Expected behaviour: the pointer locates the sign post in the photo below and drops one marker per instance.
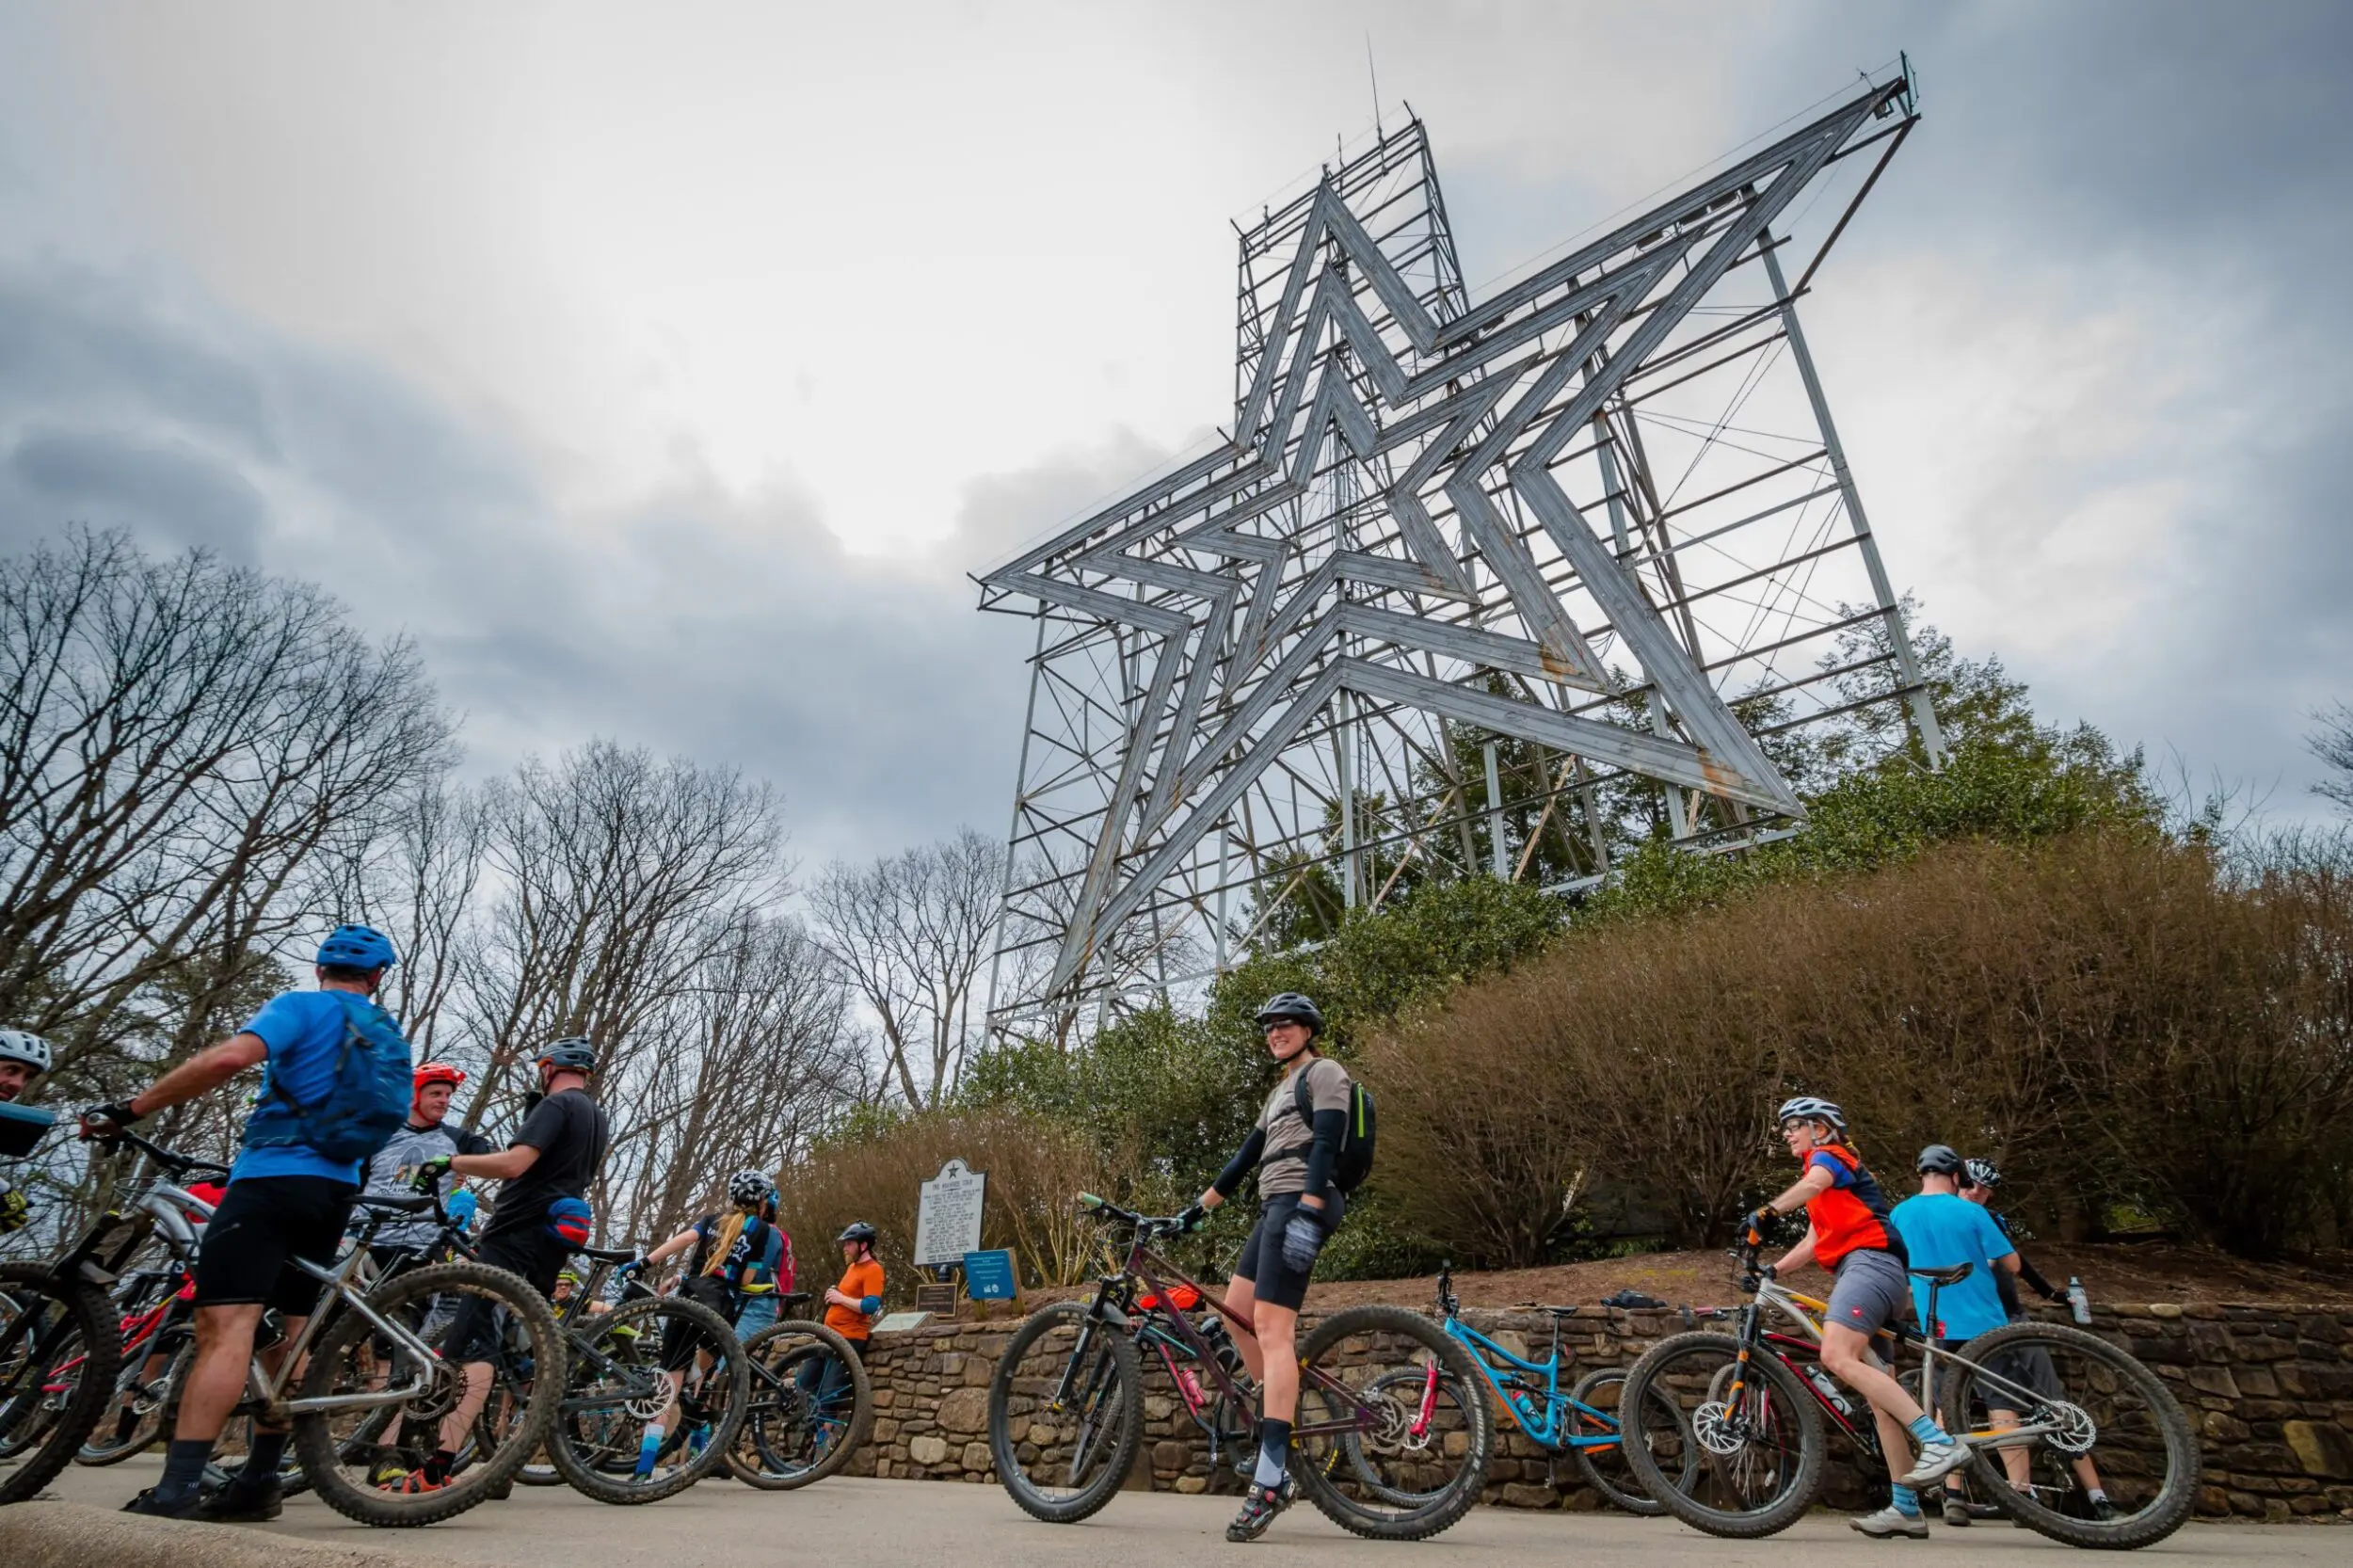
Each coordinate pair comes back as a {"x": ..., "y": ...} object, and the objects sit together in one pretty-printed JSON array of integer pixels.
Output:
[{"x": 948, "y": 1218}]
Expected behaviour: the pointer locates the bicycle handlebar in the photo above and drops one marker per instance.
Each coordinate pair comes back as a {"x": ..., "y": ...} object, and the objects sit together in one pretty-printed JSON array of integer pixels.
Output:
[
  {"x": 170, "y": 1159},
  {"x": 1159, "y": 1223}
]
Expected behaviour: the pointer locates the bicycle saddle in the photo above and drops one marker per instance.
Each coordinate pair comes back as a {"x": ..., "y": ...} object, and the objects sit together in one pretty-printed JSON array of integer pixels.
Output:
[
  {"x": 608, "y": 1255},
  {"x": 387, "y": 1204},
  {"x": 1556, "y": 1311},
  {"x": 793, "y": 1300},
  {"x": 1953, "y": 1275}
]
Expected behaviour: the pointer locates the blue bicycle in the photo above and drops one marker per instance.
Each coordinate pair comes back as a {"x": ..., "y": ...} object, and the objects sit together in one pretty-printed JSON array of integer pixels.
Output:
[{"x": 1582, "y": 1422}]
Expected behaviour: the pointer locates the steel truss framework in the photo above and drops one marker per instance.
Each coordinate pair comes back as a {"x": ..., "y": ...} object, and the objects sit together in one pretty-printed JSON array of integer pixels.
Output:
[{"x": 1591, "y": 514}]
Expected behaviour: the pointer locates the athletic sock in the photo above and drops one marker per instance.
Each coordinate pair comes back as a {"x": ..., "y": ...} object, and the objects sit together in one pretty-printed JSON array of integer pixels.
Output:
[
  {"x": 123, "y": 1424},
  {"x": 1275, "y": 1453},
  {"x": 184, "y": 1468},
  {"x": 439, "y": 1464},
  {"x": 1924, "y": 1429},
  {"x": 2097, "y": 1494},
  {"x": 1907, "y": 1501},
  {"x": 649, "y": 1449},
  {"x": 262, "y": 1457}
]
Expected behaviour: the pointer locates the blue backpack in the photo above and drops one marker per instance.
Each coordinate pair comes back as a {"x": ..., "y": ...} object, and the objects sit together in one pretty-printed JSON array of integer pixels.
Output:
[{"x": 367, "y": 1102}]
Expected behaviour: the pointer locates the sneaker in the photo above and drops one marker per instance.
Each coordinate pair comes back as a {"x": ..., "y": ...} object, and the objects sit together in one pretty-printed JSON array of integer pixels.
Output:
[
  {"x": 240, "y": 1504},
  {"x": 146, "y": 1503},
  {"x": 1259, "y": 1506},
  {"x": 1957, "y": 1511},
  {"x": 1937, "y": 1460},
  {"x": 2101, "y": 1510},
  {"x": 409, "y": 1484},
  {"x": 1890, "y": 1521}
]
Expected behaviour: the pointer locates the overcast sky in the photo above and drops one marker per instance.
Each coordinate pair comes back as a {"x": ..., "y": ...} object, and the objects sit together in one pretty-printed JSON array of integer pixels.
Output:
[{"x": 664, "y": 368}]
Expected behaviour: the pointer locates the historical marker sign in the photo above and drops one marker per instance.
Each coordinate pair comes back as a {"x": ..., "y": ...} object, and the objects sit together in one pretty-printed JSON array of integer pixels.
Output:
[{"x": 947, "y": 1220}]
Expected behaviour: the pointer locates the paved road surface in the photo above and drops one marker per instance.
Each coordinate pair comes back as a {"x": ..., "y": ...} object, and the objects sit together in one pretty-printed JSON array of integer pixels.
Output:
[{"x": 847, "y": 1523}]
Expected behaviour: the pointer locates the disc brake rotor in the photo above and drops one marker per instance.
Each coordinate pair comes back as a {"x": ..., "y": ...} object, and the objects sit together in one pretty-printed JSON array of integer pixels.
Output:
[
  {"x": 2074, "y": 1430},
  {"x": 1716, "y": 1429}
]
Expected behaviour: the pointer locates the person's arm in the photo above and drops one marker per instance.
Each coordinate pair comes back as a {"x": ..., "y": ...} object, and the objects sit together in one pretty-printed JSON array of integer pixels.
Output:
[
  {"x": 2035, "y": 1282},
  {"x": 207, "y": 1070},
  {"x": 1245, "y": 1161},
  {"x": 543, "y": 1127},
  {"x": 1329, "y": 1126},
  {"x": 671, "y": 1248},
  {"x": 1799, "y": 1256}
]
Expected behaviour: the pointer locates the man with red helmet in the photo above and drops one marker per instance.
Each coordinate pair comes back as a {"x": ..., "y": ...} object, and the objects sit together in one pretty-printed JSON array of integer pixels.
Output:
[{"x": 427, "y": 1134}]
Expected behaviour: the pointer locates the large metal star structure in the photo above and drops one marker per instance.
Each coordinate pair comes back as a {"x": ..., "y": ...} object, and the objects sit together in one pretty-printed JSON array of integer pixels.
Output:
[{"x": 1599, "y": 518}]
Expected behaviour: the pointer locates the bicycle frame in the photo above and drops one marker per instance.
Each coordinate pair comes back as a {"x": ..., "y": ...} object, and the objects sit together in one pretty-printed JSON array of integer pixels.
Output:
[
  {"x": 1115, "y": 1306},
  {"x": 1511, "y": 1386}
]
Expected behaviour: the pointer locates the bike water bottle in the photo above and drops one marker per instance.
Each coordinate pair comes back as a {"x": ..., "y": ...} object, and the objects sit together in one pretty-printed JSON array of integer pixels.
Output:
[
  {"x": 1188, "y": 1386},
  {"x": 2077, "y": 1302},
  {"x": 1827, "y": 1387}
]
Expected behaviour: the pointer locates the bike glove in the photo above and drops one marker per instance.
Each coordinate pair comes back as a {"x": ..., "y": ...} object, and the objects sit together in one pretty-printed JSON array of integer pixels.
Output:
[
  {"x": 429, "y": 1175},
  {"x": 1303, "y": 1238},
  {"x": 1192, "y": 1219},
  {"x": 120, "y": 1113},
  {"x": 15, "y": 1213}
]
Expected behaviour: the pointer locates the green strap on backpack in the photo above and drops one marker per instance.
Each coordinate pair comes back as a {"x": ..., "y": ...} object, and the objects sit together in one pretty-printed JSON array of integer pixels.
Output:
[{"x": 1355, "y": 1160}]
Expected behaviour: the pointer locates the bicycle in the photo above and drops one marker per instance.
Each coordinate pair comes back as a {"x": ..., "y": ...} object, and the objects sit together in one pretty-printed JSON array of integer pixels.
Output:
[
  {"x": 1753, "y": 1402},
  {"x": 329, "y": 1373},
  {"x": 1576, "y": 1423},
  {"x": 157, "y": 1326},
  {"x": 794, "y": 1432},
  {"x": 1385, "y": 1445}
]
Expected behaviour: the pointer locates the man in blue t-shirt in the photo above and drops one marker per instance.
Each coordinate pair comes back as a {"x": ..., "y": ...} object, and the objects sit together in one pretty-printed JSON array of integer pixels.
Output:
[
  {"x": 1941, "y": 1229},
  {"x": 285, "y": 1201}
]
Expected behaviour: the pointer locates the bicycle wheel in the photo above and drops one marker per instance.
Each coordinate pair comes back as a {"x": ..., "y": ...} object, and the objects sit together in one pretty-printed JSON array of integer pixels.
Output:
[
  {"x": 619, "y": 1387},
  {"x": 1066, "y": 1414},
  {"x": 795, "y": 1431},
  {"x": 1603, "y": 1464},
  {"x": 354, "y": 1456},
  {"x": 150, "y": 1406},
  {"x": 2106, "y": 1420},
  {"x": 1759, "y": 1455},
  {"x": 1385, "y": 1456},
  {"x": 58, "y": 1360}
]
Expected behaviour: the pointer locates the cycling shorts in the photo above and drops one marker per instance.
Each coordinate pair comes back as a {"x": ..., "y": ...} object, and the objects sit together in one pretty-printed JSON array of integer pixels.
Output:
[
  {"x": 1271, "y": 1280},
  {"x": 2027, "y": 1365},
  {"x": 262, "y": 1224},
  {"x": 681, "y": 1340},
  {"x": 1872, "y": 1291},
  {"x": 531, "y": 1251}
]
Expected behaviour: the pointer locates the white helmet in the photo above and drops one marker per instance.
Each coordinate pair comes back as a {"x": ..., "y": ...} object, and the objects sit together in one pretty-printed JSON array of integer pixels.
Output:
[
  {"x": 31, "y": 1049},
  {"x": 1807, "y": 1108}
]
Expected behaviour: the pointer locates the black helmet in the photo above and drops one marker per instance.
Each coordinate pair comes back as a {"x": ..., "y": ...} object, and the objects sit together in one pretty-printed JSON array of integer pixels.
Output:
[
  {"x": 1983, "y": 1173},
  {"x": 1291, "y": 1007},
  {"x": 750, "y": 1188},
  {"x": 1938, "y": 1160},
  {"x": 857, "y": 1230},
  {"x": 574, "y": 1053}
]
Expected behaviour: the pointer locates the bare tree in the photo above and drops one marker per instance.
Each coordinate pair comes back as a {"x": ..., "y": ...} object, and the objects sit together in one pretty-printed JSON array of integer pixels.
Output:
[
  {"x": 2332, "y": 743},
  {"x": 609, "y": 869},
  {"x": 913, "y": 932},
  {"x": 417, "y": 879},
  {"x": 178, "y": 744}
]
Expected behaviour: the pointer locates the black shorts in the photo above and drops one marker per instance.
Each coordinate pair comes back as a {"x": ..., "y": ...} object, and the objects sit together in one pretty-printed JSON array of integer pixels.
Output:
[
  {"x": 533, "y": 1251},
  {"x": 681, "y": 1340},
  {"x": 263, "y": 1223},
  {"x": 1273, "y": 1281},
  {"x": 2027, "y": 1365}
]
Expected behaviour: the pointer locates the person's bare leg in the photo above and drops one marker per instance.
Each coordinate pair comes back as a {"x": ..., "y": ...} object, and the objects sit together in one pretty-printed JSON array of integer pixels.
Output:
[
  {"x": 2016, "y": 1463},
  {"x": 1241, "y": 1298},
  {"x": 470, "y": 1404},
  {"x": 224, "y": 1353},
  {"x": 1278, "y": 1344},
  {"x": 274, "y": 1358},
  {"x": 1846, "y": 1356}
]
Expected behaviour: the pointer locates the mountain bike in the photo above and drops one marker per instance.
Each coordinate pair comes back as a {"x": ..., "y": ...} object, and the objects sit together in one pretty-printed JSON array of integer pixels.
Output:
[
  {"x": 810, "y": 1403},
  {"x": 1753, "y": 1403},
  {"x": 1582, "y": 1422},
  {"x": 616, "y": 1362},
  {"x": 1386, "y": 1445}
]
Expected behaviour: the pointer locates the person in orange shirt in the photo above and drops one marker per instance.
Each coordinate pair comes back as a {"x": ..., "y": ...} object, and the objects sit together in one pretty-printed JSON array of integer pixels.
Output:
[{"x": 851, "y": 1308}]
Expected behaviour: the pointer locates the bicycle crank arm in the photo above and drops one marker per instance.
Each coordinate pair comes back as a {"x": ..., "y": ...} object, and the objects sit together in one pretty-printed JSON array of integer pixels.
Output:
[{"x": 330, "y": 1403}]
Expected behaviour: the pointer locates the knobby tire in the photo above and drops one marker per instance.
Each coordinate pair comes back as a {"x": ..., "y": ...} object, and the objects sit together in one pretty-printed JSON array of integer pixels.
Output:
[
  {"x": 90, "y": 1322},
  {"x": 1122, "y": 1401}
]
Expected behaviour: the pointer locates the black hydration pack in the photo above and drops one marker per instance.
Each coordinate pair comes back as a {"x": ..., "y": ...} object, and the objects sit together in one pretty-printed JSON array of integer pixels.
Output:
[{"x": 1354, "y": 1161}]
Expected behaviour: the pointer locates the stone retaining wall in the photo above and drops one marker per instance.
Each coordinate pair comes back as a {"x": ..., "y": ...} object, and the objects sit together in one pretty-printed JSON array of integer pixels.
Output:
[{"x": 2270, "y": 1390}]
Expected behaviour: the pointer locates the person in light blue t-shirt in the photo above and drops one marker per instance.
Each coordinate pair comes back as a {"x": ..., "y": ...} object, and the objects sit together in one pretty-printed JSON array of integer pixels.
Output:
[{"x": 1941, "y": 1229}]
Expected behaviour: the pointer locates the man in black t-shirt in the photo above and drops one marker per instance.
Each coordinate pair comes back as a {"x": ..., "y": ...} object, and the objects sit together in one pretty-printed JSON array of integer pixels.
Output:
[{"x": 554, "y": 1156}]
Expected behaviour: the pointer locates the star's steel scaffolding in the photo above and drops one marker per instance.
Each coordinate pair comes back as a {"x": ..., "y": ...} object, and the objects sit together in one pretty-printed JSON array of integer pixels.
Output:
[{"x": 1491, "y": 587}]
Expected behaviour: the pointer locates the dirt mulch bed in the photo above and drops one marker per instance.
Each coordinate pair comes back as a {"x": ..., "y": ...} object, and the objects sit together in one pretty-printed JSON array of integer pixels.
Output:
[{"x": 2118, "y": 1275}]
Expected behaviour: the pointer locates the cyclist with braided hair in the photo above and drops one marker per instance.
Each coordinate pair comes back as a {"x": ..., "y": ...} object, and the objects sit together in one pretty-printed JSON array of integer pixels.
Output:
[{"x": 1848, "y": 1232}]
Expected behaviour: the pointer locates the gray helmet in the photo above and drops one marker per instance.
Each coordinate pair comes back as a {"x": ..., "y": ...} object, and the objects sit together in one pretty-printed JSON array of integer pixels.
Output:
[
  {"x": 1938, "y": 1160},
  {"x": 749, "y": 1188},
  {"x": 1291, "y": 1007},
  {"x": 1983, "y": 1172},
  {"x": 574, "y": 1053},
  {"x": 857, "y": 1230},
  {"x": 1809, "y": 1107},
  {"x": 31, "y": 1049}
]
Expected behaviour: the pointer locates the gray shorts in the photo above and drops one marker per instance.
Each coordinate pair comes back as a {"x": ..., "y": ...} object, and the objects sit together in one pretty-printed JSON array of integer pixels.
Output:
[{"x": 1872, "y": 1291}]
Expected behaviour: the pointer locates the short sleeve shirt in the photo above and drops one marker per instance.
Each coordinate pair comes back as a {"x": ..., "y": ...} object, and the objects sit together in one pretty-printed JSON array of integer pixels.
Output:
[
  {"x": 862, "y": 1279},
  {"x": 1282, "y": 1166},
  {"x": 571, "y": 1132},
  {"x": 1942, "y": 1229},
  {"x": 752, "y": 1258},
  {"x": 304, "y": 1032},
  {"x": 395, "y": 1166}
]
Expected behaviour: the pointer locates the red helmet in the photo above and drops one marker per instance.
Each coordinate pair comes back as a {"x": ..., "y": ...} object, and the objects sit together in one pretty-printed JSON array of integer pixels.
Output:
[{"x": 437, "y": 1072}]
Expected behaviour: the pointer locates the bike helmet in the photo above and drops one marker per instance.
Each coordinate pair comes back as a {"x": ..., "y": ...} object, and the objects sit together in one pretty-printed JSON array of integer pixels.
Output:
[
  {"x": 31, "y": 1049},
  {"x": 1293, "y": 1008},
  {"x": 857, "y": 1230},
  {"x": 436, "y": 1072},
  {"x": 1808, "y": 1108},
  {"x": 1938, "y": 1160},
  {"x": 574, "y": 1053},
  {"x": 357, "y": 947},
  {"x": 749, "y": 1188},
  {"x": 1982, "y": 1172}
]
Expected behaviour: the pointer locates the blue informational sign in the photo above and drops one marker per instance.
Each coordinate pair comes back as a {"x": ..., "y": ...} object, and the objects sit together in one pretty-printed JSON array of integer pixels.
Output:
[{"x": 988, "y": 1276}]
